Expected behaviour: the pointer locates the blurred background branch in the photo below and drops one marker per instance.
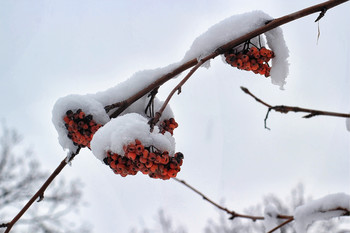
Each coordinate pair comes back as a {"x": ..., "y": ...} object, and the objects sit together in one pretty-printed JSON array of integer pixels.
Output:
[{"x": 20, "y": 176}]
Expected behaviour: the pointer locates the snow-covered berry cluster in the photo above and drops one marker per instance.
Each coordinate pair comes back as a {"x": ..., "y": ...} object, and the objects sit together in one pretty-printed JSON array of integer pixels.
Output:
[
  {"x": 253, "y": 59},
  {"x": 128, "y": 146},
  {"x": 149, "y": 160},
  {"x": 80, "y": 127},
  {"x": 82, "y": 121}
]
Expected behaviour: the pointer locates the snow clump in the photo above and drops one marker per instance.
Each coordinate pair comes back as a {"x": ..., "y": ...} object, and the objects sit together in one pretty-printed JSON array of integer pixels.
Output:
[
  {"x": 324, "y": 208},
  {"x": 126, "y": 129}
]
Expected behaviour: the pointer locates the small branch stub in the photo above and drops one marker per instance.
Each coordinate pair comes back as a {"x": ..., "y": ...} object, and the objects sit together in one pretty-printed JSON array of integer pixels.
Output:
[
  {"x": 41, "y": 197},
  {"x": 3, "y": 225},
  {"x": 322, "y": 13}
]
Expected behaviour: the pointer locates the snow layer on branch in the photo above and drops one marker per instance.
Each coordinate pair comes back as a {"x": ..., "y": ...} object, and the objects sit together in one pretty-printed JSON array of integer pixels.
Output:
[
  {"x": 225, "y": 31},
  {"x": 124, "y": 130},
  {"x": 280, "y": 66},
  {"x": 132, "y": 85},
  {"x": 75, "y": 102},
  {"x": 94, "y": 103},
  {"x": 236, "y": 26},
  {"x": 270, "y": 218},
  {"x": 347, "y": 121},
  {"x": 321, "y": 209}
]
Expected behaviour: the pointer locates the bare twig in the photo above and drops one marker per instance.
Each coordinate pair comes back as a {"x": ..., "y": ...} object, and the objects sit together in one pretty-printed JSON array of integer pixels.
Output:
[
  {"x": 322, "y": 13},
  {"x": 40, "y": 193},
  {"x": 287, "y": 109},
  {"x": 3, "y": 225},
  {"x": 346, "y": 211},
  {"x": 224, "y": 48},
  {"x": 115, "y": 105},
  {"x": 178, "y": 87},
  {"x": 149, "y": 111},
  {"x": 282, "y": 224},
  {"x": 230, "y": 212},
  {"x": 234, "y": 214}
]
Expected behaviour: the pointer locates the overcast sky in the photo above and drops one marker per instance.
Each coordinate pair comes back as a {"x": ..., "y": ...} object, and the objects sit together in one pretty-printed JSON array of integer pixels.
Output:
[{"x": 49, "y": 49}]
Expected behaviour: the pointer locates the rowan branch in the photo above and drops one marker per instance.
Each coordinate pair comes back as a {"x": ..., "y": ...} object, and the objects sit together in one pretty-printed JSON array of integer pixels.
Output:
[
  {"x": 40, "y": 193},
  {"x": 122, "y": 105},
  {"x": 154, "y": 85},
  {"x": 269, "y": 25},
  {"x": 282, "y": 224},
  {"x": 178, "y": 87},
  {"x": 233, "y": 214},
  {"x": 287, "y": 109}
]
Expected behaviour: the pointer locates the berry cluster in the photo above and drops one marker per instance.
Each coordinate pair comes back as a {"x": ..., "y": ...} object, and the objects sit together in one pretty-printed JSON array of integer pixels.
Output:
[
  {"x": 168, "y": 126},
  {"x": 81, "y": 127},
  {"x": 148, "y": 160},
  {"x": 254, "y": 59}
]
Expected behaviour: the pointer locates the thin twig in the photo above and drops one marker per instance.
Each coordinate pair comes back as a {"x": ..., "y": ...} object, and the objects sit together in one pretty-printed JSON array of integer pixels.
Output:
[
  {"x": 230, "y": 212},
  {"x": 149, "y": 110},
  {"x": 245, "y": 90},
  {"x": 115, "y": 105},
  {"x": 234, "y": 214},
  {"x": 322, "y": 13},
  {"x": 178, "y": 87},
  {"x": 3, "y": 225},
  {"x": 40, "y": 193},
  {"x": 346, "y": 211},
  {"x": 287, "y": 109},
  {"x": 281, "y": 225},
  {"x": 271, "y": 24}
]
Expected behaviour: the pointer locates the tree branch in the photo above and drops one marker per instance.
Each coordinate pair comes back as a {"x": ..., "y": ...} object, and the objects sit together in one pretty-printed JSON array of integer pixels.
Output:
[
  {"x": 121, "y": 106},
  {"x": 230, "y": 212},
  {"x": 155, "y": 119},
  {"x": 287, "y": 109},
  {"x": 282, "y": 224},
  {"x": 226, "y": 47},
  {"x": 40, "y": 193},
  {"x": 234, "y": 214}
]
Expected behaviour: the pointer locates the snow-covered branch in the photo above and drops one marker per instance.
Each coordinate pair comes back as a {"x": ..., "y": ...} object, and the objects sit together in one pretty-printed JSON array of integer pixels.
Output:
[
  {"x": 330, "y": 206},
  {"x": 205, "y": 47}
]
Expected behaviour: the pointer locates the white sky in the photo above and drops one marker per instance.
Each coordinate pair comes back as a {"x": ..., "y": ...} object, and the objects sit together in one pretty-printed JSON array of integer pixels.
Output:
[{"x": 49, "y": 49}]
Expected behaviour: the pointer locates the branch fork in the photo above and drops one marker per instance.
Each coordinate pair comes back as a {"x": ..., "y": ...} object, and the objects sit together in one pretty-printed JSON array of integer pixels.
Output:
[{"x": 286, "y": 109}]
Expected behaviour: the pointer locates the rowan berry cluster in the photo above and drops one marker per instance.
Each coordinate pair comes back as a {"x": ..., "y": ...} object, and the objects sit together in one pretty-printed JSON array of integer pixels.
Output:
[
  {"x": 168, "y": 126},
  {"x": 81, "y": 127},
  {"x": 148, "y": 160},
  {"x": 253, "y": 59}
]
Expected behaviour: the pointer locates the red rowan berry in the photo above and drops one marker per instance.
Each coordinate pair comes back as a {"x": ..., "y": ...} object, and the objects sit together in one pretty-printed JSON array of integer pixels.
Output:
[{"x": 152, "y": 156}]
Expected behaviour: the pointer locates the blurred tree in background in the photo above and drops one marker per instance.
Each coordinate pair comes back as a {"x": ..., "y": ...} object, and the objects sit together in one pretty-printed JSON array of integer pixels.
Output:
[{"x": 20, "y": 177}]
